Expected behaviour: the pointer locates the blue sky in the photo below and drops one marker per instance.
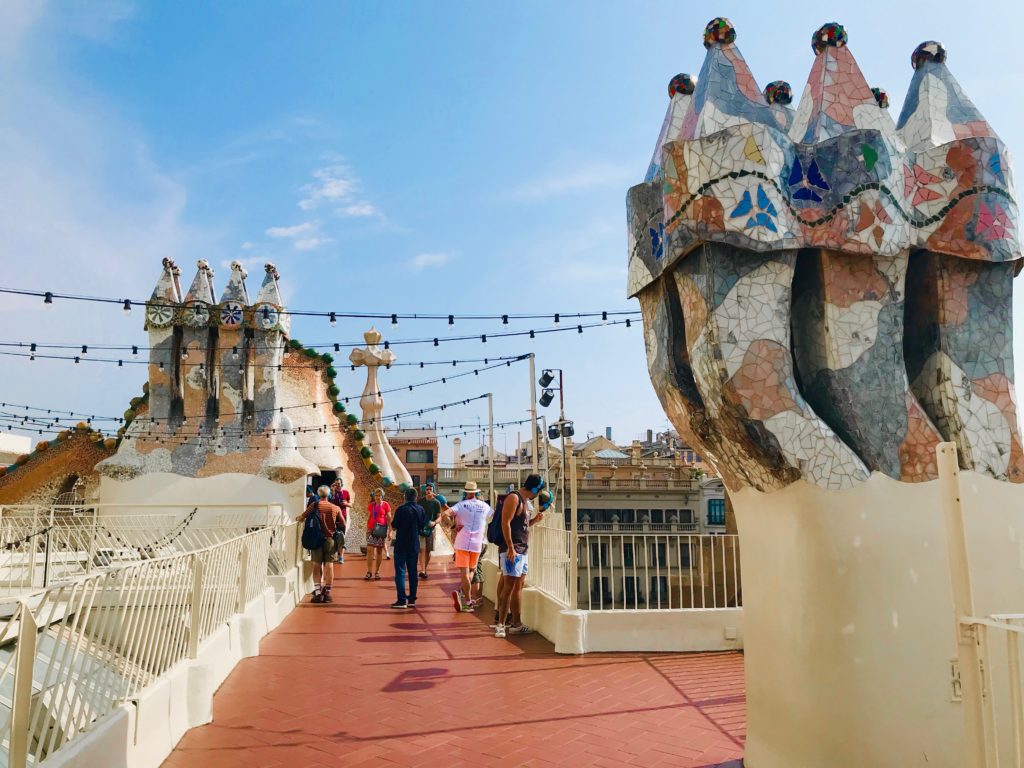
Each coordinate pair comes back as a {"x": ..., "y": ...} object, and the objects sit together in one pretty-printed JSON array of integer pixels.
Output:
[{"x": 439, "y": 157}]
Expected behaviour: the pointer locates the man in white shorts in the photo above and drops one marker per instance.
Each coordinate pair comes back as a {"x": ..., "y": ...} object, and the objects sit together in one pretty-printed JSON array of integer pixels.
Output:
[{"x": 513, "y": 558}]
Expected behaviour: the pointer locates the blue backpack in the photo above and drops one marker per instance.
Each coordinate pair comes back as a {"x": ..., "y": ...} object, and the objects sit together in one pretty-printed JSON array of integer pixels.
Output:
[
  {"x": 313, "y": 537},
  {"x": 494, "y": 533}
]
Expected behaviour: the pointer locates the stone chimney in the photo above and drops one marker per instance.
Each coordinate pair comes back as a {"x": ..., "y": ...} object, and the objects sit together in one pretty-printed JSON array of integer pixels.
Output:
[
  {"x": 634, "y": 452},
  {"x": 233, "y": 349},
  {"x": 161, "y": 313},
  {"x": 198, "y": 353},
  {"x": 269, "y": 338},
  {"x": 457, "y": 452}
]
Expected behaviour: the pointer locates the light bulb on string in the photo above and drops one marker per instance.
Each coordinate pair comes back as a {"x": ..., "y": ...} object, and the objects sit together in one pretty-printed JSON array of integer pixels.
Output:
[
  {"x": 556, "y": 320},
  {"x": 135, "y": 350},
  {"x": 533, "y": 337},
  {"x": 184, "y": 354},
  {"x": 451, "y": 319},
  {"x": 48, "y": 299},
  {"x": 85, "y": 350},
  {"x": 127, "y": 306},
  {"x": 394, "y": 319},
  {"x": 234, "y": 353},
  {"x": 604, "y": 318},
  {"x": 334, "y": 319}
]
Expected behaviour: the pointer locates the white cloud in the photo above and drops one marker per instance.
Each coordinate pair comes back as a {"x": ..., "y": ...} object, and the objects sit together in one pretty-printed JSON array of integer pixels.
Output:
[
  {"x": 312, "y": 243},
  {"x": 248, "y": 245},
  {"x": 334, "y": 184},
  {"x": 83, "y": 207},
  {"x": 425, "y": 260},
  {"x": 293, "y": 231},
  {"x": 359, "y": 209},
  {"x": 596, "y": 176}
]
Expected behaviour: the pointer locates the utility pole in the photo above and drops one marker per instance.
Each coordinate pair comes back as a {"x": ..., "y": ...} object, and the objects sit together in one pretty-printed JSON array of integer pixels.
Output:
[
  {"x": 490, "y": 446},
  {"x": 533, "y": 415}
]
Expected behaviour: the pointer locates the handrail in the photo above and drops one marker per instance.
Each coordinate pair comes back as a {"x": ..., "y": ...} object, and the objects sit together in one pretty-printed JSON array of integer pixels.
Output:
[{"x": 73, "y": 652}]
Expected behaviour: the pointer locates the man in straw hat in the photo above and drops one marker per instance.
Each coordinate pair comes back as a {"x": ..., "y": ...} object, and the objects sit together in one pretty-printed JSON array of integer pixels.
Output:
[{"x": 471, "y": 516}]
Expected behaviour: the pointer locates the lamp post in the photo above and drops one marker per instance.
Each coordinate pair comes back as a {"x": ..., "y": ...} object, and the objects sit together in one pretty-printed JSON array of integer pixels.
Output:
[{"x": 562, "y": 428}]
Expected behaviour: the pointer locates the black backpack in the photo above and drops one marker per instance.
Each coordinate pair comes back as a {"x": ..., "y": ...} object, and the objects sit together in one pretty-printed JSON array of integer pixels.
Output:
[
  {"x": 494, "y": 533},
  {"x": 313, "y": 537}
]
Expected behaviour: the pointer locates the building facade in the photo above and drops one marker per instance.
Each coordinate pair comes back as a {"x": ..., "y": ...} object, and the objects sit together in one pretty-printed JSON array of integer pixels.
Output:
[{"x": 416, "y": 445}]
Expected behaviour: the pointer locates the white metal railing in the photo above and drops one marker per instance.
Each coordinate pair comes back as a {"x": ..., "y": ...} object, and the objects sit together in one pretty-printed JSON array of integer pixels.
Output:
[
  {"x": 687, "y": 527},
  {"x": 73, "y": 653},
  {"x": 550, "y": 568},
  {"x": 40, "y": 545},
  {"x": 658, "y": 570}
]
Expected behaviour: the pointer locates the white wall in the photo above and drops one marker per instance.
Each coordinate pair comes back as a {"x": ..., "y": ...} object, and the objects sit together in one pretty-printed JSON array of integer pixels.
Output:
[
  {"x": 178, "y": 492},
  {"x": 849, "y": 626},
  {"x": 575, "y": 632}
]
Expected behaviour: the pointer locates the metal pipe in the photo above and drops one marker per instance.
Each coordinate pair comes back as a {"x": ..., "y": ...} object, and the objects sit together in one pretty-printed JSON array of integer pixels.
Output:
[{"x": 982, "y": 748}]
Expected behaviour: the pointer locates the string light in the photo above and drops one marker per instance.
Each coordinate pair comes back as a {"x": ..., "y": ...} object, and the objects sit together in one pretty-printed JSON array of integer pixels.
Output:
[
  {"x": 49, "y": 296},
  {"x": 334, "y": 319},
  {"x": 127, "y": 306}
]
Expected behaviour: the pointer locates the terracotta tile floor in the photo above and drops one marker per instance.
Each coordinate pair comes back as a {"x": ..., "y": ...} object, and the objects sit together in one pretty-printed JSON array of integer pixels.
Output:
[{"x": 358, "y": 684}]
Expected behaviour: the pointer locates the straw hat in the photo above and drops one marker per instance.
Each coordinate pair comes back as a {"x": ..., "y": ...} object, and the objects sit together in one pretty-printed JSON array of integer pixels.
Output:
[{"x": 470, "y": 487}]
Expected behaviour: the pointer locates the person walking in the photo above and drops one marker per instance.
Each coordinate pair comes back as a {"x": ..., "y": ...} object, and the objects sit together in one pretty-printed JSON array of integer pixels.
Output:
[
  {"x": 433, "y": 505},
  {"x": 407, "y": 522},
  {"x": 471, "y": 516},
  {"x": 512, "y": 554},
  {"x": 378, "y": 525},
  {"x": 323, "y": 565},
  {"x": 340, "y": 498}
]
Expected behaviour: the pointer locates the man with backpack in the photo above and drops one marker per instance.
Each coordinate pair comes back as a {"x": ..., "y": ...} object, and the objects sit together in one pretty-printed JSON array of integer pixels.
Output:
[
  {"x": 320, "y": 520},
  {"x": 341, "y": 498},
  {"x": 515, "y": 521},
  {"x": 471, "y": 516}
]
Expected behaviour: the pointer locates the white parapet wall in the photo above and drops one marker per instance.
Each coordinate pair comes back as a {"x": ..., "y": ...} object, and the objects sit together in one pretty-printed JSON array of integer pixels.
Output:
[{"x": 660, "y": 630}]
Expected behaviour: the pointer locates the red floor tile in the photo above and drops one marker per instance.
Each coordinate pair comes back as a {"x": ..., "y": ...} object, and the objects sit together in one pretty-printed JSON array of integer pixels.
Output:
[{"x": 359, "y": 684}]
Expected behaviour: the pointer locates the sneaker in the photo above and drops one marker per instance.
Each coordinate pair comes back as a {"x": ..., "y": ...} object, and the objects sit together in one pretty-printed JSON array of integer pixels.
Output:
[
  {"x": 411, "y": 604},
  {"x": 318, "y": 596},
  {"x": 424, "y": 575},
  {"x": 499, "y": 631},
  {"x": 521, "y": 629},
  {"x": 399, "y": 605},
  {"x": 327, "y": 597},
  {"x": 457, "y": 600}
]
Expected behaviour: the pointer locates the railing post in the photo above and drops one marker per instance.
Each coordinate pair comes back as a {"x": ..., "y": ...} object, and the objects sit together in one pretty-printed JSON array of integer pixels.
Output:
[
  {"x": 1016, "y": 703},
  {"x": 573, "y": 533},
  {"x": 21, "y": 707},
  {"x": 979, "y": 713},
  {"x": 243, "y": 577},
  {"x": 196, "y": 607}
]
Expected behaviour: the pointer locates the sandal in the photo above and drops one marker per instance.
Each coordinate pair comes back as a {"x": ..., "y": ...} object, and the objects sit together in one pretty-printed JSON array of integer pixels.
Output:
[
  {"x": 368, "y": 576},
  {"x": 376, "y": 577}
]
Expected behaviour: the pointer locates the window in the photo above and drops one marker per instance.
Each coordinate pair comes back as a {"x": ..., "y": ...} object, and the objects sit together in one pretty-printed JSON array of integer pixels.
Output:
[
  {"x": 657, "y": 555},
  {"x": 627, "y": 555},
  {"x": 659, "y": 590},
  {"x": 632, "y": 591},
  {"x": 419, "y": 456},
  {"x": 716, "y": 511},
  {"x": 658, "y": 516},
  {"x": 599, "y": 591},
  {"x": 686, "y": 516},
  {"x": 599, "y": 554}
]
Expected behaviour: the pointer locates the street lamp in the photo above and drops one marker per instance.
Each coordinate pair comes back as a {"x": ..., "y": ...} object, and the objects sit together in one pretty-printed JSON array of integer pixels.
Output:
[{"x": 562, "y": 428}]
